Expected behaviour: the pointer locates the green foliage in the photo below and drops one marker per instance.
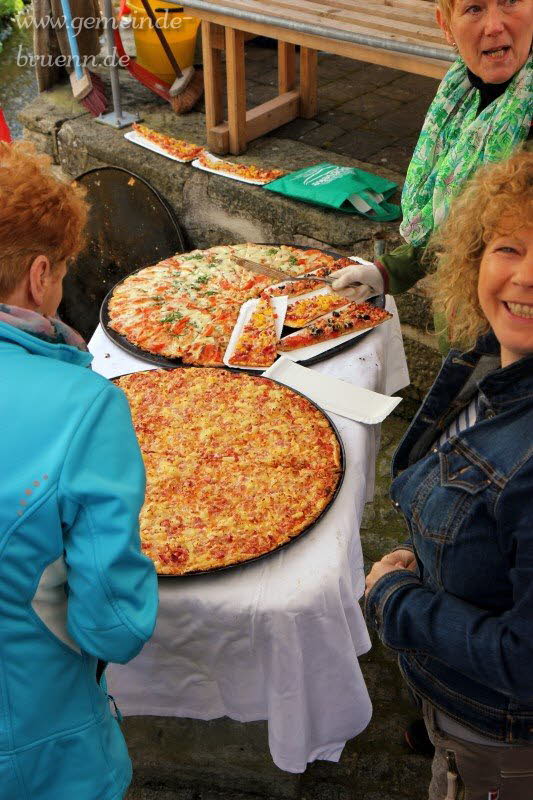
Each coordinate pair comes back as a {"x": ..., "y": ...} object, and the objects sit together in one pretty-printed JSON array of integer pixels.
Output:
[{"x": 8, "y": 8}]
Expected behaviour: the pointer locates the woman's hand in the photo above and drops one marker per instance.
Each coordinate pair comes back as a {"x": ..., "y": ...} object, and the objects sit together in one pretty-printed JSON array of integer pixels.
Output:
[
  {"x": 358, "y": 282},
  {"x": 398, "y": 559},
  {"x": 380, "y": 569},
  {"x": 401, "y": 558}
]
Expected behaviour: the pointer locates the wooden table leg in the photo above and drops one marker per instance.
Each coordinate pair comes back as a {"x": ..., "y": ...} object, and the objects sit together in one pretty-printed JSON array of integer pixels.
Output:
[
  {"x": 236, "y": 87},
  {"x": 308, "y": 83},
  {"x": 286, "y": 67},
  {"x": 212, "y": 65}
]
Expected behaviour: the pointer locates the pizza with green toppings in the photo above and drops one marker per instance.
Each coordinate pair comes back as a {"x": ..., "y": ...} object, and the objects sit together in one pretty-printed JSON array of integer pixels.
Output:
[{"x": 185, "y": 307}]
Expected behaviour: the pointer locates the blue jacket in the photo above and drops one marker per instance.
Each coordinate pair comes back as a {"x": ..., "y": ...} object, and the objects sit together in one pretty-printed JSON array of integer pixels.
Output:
[
  {"x": 74, "y": 586},
  {"x": 464, "y": 625}
]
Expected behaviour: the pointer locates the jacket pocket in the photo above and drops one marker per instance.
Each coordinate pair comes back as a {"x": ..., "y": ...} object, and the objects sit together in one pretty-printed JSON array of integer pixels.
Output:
[{"x": 439, "y": 507}]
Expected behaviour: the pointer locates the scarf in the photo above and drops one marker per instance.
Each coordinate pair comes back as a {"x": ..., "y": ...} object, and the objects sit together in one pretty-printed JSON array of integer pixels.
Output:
[
  {"x": 49, "y": 329},
  {"x": 455, "y": 141}
]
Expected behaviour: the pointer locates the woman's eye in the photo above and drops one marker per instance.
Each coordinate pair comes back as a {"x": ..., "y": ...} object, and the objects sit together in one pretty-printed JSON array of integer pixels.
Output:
[
  {"x": 506, "y": 249},
  {"x": 473, "y": 9}
]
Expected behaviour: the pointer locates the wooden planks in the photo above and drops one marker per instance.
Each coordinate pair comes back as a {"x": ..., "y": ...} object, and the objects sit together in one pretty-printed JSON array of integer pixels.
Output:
[
  {"x": 226, "y": 24},
  {"x": 212, "y": 65},
  {"x": 286, "y": 67},
  {"x": 308, "y": 83},
  {"x": 236, "y": 87},
  {"x": 420, "y": 65},
  {"x": 403, "y": 21}
]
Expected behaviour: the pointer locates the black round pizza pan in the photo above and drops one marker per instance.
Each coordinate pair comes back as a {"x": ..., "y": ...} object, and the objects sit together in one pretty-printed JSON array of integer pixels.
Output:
[
  {"x": 163, "y": 361},
  {"x": 130, "y": 225},
  {"x": 324, "y": 511}
]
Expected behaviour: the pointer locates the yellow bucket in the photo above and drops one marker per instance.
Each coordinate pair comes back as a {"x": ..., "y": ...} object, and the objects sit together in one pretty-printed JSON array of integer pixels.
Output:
[{"x": 179, "y": 31}]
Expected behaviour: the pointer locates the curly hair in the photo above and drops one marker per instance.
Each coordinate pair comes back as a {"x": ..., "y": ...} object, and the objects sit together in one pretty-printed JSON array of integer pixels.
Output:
[
  {"x": 497, "y": 200},
  {"x": 39, "y": 214}
]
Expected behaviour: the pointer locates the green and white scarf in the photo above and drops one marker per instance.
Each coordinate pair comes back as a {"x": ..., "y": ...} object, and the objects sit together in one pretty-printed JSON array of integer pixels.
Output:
[{"x": 454, "y": 142}]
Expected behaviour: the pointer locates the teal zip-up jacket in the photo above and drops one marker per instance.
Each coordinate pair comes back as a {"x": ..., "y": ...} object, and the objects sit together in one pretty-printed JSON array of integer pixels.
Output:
[{"x": 74, "y": 586}]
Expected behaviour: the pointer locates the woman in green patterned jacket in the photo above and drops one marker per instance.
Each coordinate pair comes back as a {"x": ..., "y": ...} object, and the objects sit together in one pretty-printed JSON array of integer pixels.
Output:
[{"x": 482, "y": 111}]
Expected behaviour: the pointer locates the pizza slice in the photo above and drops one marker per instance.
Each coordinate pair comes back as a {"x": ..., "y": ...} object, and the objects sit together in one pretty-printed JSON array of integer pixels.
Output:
[
  {"x": 245, "y": 171},
  {"x": 256, "y": 346},
  {"x": 208, "y": 347},
  {"x": 178, "y": 148},
  {"x": 294, "y": 288},
  {"x": 350, "y": 319},
  {"x": 303, "y": 311}
]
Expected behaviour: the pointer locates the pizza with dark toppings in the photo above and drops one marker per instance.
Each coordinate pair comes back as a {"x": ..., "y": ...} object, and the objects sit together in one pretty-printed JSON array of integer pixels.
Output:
[
  {"x": 348, "y": 319},
  {"x": 186, "y": 306}
]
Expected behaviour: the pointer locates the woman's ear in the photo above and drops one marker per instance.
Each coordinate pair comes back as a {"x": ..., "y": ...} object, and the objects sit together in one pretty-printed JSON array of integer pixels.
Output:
[
  {"x": 444, "y": 26},
  {"x": 39, "y": 276}
]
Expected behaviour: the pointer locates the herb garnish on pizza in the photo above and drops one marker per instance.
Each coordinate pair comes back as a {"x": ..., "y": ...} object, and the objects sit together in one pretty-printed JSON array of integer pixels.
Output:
[{"x": 186, "y": 306}]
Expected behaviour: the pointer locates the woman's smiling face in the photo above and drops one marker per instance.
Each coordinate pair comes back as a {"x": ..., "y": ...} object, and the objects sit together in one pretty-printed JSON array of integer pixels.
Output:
[
  {"x": 505, "y": 291},
  {"x": 493, "y": 36}
]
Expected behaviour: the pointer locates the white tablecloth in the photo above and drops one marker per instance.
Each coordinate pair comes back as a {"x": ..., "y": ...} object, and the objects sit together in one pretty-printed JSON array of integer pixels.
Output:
[{"x": 276, "y": 640}]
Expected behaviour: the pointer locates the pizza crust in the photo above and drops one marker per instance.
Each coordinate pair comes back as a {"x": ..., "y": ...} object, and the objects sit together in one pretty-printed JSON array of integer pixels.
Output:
[
  {"x": 236, "y": 465},
  {"x": 185, "y": 307}
]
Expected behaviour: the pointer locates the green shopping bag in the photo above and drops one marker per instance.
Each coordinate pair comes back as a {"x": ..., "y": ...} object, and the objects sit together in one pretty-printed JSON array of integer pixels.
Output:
[{"x": 346, "y": 189}]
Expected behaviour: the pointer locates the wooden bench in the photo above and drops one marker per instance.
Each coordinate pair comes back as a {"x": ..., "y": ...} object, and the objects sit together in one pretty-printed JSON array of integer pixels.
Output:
[{"x": 401, "y": 34}]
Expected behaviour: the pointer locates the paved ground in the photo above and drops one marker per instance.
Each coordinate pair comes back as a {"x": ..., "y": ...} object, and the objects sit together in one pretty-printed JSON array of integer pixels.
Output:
[{"x": 369, "y": 112}]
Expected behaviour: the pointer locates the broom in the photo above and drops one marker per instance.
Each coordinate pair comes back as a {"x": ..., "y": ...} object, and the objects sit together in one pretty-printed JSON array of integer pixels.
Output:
[
  {"x": 188, "y": 87},
  {"x": 87, "y": 88}
]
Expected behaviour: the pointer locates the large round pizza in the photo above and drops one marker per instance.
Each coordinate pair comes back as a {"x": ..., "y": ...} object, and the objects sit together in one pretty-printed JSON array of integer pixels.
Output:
[
  {"x": 186, "y": 306},
  {"x": 236, "y": 465}
]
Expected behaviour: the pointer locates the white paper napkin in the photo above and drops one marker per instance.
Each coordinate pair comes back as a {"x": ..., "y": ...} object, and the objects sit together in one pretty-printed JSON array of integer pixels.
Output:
[{"x": 332, "y": 394}]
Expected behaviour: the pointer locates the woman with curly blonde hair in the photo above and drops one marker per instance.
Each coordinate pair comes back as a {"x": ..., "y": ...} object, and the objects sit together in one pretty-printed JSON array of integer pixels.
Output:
[
  {"x": 456, "y": 601},
  {"x": 75, "y": 590}
]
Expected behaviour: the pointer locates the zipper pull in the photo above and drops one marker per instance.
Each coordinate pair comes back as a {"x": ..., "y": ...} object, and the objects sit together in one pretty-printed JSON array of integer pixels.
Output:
[
  {"x": 451, "y": 776},
  {"x": 118, "y": 714}
]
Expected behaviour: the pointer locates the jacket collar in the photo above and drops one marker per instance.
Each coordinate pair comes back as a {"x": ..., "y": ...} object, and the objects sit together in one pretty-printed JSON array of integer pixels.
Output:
[
  {"x": 11, "y": 337},
  {"x": 462, "y": 376},
  {"x": 504, "y": 385}
]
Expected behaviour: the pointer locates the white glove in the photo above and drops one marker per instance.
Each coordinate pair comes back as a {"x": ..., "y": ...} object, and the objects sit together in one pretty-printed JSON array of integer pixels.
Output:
[{"x": 357, "y": 282}]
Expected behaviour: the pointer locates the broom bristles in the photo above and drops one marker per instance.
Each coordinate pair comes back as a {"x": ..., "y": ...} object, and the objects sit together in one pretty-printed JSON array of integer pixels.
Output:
[{"x": 185, "y": 102}]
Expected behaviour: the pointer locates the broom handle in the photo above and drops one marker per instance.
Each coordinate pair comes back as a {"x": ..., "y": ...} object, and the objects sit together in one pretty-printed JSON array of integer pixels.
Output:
[
  {"x": 161, "y": 37},
  {"x": 73, "y": 43}
]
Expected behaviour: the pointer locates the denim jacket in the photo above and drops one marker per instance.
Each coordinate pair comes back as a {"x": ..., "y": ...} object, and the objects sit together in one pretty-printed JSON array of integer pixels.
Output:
[{"x": 463, "y": 624}]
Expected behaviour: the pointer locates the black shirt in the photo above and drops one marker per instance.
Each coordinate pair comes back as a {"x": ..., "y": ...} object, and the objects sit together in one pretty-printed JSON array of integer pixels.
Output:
[{"x": 487, "y": 91}]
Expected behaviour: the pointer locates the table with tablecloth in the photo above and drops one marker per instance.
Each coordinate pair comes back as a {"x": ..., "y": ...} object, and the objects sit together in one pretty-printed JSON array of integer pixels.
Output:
[{"x": 278, "y": 639}]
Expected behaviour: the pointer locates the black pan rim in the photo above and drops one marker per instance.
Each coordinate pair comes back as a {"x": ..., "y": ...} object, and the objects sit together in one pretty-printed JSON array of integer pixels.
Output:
[
  {"x": 169, "y": 363},
  {"x": 342, "y": 473}
]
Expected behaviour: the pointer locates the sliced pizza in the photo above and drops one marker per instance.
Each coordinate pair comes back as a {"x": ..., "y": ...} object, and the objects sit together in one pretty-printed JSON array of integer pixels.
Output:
[
  {"x": 178, "y": 148},
  {"x": 350, "y": 319},
  {"x": 256, "y": 346},
  {"x": 248, "y": 172},
  {"x": 186, "y": 305},
  {"x": 305, "y": 310}
]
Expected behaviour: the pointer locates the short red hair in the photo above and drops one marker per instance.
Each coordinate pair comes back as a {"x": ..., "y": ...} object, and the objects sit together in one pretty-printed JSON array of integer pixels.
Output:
[{"x": 39, "y": 214}]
